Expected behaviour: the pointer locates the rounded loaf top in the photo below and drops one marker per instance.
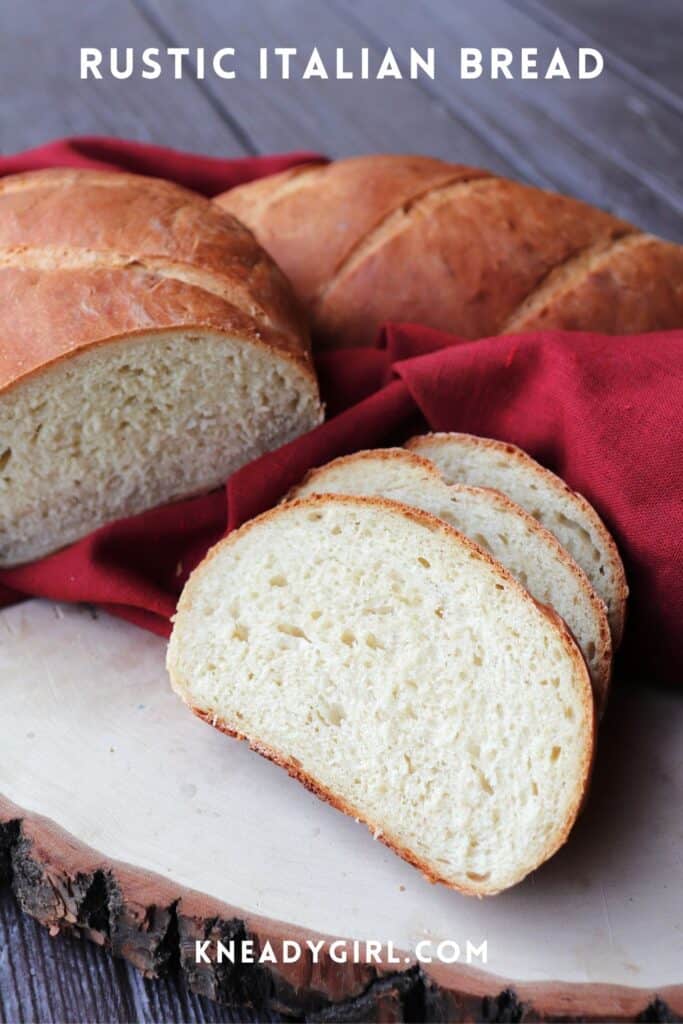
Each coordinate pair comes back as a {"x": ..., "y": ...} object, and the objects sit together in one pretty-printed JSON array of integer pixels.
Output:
[{"x": 128, "y": 253}]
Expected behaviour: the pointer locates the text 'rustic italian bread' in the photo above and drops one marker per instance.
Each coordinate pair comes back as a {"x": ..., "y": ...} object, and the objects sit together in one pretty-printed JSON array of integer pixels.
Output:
[
  {"x": 149, "y": 347},
  {"x": 512, "y": 536},
  {"x": 399, "y": 672},
  {"x": 482, "y": 462},
  {"x": 409, "y": 238}
]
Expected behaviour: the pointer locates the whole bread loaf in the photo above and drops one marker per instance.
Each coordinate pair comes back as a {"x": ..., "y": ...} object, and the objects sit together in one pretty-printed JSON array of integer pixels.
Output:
[
  {"x": 409, "y": 238},
  {"x": 148, "y": 348},
  {"x": 399, "y": 672}
]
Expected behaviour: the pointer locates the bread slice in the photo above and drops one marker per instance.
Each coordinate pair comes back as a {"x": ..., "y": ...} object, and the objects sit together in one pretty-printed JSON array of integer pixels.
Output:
[
  {"x": 513, "y": 537},
  {"x": 148, "y": 349},
  {"x": 401, "y": 674},
  {"x": 466, "y": 459}
]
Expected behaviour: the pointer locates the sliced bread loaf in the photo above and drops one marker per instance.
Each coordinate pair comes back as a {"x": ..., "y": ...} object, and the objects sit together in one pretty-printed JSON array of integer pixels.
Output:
[
  {"x": 533, "y": 556},
  {"x": 466, "y": 459},
  {"x": 401, "y": 674},
  {"x": 148, "y": 349}
]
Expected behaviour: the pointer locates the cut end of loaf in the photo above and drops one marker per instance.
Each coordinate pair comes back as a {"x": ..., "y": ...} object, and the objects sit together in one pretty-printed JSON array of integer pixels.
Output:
[
  {"x": 120, "y": 428},
  {"x": 398, "y": 672},
  {"x": 150, "y": 348}
]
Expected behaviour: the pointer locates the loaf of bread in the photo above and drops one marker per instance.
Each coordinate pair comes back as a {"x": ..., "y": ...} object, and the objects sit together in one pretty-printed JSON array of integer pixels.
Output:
[
  {"x": 482, "y": 462},
  {"x": 401, "y": 674},
  {"x": 513, "y": 537},
  {"x": 408, "y": 238},
  {"x": 149, "y": 347}
]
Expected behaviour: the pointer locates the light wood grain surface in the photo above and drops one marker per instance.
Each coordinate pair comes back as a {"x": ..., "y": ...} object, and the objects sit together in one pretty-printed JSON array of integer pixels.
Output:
[{"x": 616, "y": 144}]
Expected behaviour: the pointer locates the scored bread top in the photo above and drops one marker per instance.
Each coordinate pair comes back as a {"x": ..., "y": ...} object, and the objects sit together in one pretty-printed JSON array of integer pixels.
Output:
[
  {"x": 316, "y": 626},
  {"x": 136, "y": 254},
  {"x": 498, "y": 525},
  {"x": 394, "y": 237},
  {"x": 349, "y": 199},
  {"x": 466, "y": 458}
]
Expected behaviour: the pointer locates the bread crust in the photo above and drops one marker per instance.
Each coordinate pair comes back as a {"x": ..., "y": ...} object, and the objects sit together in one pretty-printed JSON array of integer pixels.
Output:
[
  {"x": 136, "y": 255},
  {"x": 338, "y": 204},
  {"x": 602, "y": 678},
  {"x": 294, "y": 769},
  {"x": 558, "y": 485},
  {"x": 455, "y": 248},
  {"x": 613, "y": 288}
]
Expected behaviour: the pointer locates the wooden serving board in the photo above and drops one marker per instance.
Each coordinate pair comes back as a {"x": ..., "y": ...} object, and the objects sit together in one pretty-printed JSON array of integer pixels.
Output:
[{"x": 124, "y": 816}]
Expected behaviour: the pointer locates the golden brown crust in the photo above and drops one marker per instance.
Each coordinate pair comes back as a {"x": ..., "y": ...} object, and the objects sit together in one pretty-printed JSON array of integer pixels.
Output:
[
  {"x": 249, "y": 203},
  {"x": 87, "y": 231},
  {"x": 616, "y": 291},
  {"x": 434, "y": 524},
  {"x": 473, "y": 258},
  {"x": 516, "y": 454},
  {"x": 408, "y": 238},
  {"x": 312, "y": 229},
  {"x": 127, "y": 213}
]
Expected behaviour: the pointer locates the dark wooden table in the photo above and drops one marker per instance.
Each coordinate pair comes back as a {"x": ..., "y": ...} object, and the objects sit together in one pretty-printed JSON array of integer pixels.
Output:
[{"x": 615, "y": 141}]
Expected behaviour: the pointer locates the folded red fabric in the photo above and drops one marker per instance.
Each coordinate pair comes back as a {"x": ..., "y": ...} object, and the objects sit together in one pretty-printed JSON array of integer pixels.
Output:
[
  {"x": 206, "y": 174},
  {"x": 603, "y": 412}
]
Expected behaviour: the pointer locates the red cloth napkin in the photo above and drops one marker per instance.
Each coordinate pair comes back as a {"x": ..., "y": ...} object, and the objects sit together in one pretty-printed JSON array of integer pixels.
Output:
[
  {"x": 603, "y": 412},
  {"x": 206, "y": 174}
]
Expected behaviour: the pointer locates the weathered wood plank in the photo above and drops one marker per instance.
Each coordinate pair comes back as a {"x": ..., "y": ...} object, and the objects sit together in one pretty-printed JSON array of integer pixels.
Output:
[
  {"x": 63, "y": 978},
  {"x": 54, "y": 980},
  {"x": 604, "y": 140},
  {"x": 170, "y": 1000},
  {"x": 43, "y": 97},
  {"x": 337, "y": 117},
  {"x": 641, "y": 42}
]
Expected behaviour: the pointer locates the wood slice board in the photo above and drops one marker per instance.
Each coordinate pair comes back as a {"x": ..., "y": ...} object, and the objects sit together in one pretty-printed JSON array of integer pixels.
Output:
[{"x": 129, "y": 819}]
